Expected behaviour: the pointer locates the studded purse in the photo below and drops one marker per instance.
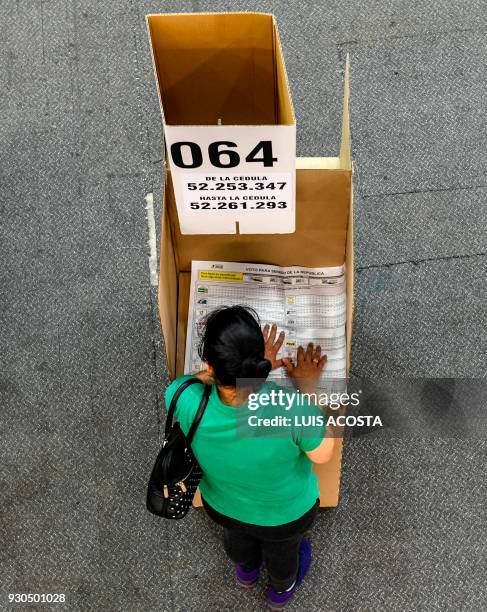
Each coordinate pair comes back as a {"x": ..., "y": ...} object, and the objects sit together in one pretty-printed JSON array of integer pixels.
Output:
[{"x": 176, "y": 473}]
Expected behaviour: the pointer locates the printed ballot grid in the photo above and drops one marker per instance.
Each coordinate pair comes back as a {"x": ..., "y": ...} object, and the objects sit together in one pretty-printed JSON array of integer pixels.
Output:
[{"x": 308, "y": 306}]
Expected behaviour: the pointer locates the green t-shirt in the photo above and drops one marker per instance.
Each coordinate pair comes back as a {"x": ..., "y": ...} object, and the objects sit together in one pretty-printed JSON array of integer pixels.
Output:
[{"x": 256, "y": 473}]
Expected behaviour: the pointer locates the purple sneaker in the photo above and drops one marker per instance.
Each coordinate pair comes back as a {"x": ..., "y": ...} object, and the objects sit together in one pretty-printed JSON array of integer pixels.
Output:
[
  {"x": 246, "y": 579},
  {"x": 275, "y": 600}
]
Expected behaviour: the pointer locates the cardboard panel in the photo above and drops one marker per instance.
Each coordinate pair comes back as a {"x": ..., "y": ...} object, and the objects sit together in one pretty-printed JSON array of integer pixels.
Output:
[
  {"x": 228, "y": 118},
  {"x": 323, "y": 198},
  {"x": 285, "y": 110},
  {"x": 329, "y": 477},
  {"x": 182, "y": 326},
  {"x": 224, "y": 61},
  {"x": 168, "y": 290},
  {"x": 315, "y": 243}
]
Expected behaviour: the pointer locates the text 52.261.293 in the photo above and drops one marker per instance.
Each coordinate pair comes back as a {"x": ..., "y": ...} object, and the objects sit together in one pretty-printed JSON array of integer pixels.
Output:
[{"x": 248, "y": 205}]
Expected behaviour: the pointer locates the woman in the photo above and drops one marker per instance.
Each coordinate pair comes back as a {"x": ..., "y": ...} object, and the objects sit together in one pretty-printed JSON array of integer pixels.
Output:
[{"x": 258, "y": 485}]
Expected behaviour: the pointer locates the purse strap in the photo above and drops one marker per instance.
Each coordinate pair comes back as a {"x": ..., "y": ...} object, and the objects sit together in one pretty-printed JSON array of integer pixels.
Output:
[{"x": 199, "y": 414}]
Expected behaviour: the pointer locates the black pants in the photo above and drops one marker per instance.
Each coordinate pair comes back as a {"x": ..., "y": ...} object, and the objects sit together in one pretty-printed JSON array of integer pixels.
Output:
[{"x": 276, "y": 546}]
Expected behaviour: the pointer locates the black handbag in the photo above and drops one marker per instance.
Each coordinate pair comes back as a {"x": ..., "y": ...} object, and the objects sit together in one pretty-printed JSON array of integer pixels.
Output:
[{"x": 176, "y": 473}]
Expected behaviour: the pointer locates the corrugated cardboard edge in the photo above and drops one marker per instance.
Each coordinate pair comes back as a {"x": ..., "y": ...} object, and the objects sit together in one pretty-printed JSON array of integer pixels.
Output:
[
  {"x": 346, "y": 143},
  {"x": 281, "y": 64},
  {"x": 346, "y": 162},
  {"x": 168, "y": 279},
  {"x": 154, "y": 65}
]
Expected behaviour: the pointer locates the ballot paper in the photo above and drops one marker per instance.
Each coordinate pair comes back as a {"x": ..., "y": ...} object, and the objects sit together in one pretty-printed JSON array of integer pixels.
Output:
[{"x": 307, "y": 304}]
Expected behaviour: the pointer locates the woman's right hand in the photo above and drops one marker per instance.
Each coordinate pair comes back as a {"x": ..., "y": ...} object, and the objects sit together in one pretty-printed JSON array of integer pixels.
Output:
[{"x": 307, "y": 371}]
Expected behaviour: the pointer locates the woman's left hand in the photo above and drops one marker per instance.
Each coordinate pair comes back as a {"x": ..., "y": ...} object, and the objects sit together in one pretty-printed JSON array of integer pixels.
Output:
[{"x": 272, "y": 345}]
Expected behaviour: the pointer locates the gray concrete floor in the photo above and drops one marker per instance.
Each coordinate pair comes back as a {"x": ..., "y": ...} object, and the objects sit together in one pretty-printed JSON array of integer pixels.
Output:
[{"x": 82, "y": 364}]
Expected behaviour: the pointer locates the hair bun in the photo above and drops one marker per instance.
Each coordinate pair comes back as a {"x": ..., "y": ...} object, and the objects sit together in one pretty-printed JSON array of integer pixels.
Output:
[{"x": 255, "y": 367}]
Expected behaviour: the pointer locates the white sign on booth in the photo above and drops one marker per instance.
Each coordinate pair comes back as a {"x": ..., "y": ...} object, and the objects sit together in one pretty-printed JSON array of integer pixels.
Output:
[{"x": 224, "y": 175}]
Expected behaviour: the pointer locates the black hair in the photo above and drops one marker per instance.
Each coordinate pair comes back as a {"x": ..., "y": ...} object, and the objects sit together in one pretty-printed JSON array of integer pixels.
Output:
[{"x": 233, "y": 345}]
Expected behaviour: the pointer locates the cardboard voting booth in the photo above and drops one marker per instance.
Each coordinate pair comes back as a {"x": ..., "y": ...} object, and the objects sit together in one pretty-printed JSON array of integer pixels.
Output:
[{"x": 323, "y": 233}]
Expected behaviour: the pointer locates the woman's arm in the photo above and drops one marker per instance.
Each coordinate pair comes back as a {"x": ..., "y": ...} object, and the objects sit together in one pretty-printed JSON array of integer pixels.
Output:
[
  {"x": 305, "y": 376},
  {"x": 324, "y": 452}
]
